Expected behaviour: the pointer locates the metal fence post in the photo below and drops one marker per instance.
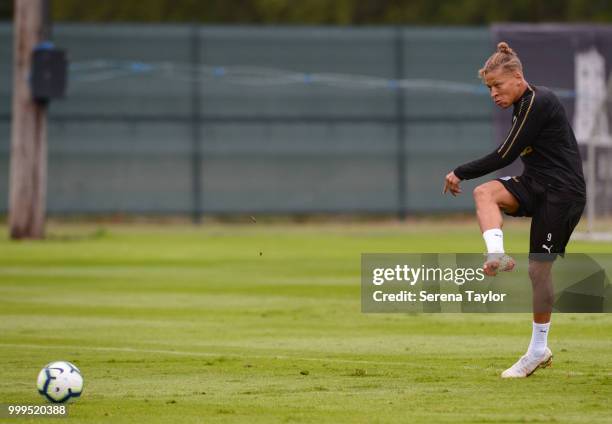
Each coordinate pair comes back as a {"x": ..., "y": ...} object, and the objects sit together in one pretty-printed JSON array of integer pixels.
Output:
[
  {"x": 196, "y": 106},
  {"x": 400, "y": 124}
]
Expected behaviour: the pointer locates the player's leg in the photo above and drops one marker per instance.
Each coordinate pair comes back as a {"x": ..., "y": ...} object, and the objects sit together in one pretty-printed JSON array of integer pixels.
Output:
[
  {"x": 551, "y": 228},
  {"x": 540, "y": 274},
  {"x": 491, "y": 198},
  {"x": 538, "y": 354}
]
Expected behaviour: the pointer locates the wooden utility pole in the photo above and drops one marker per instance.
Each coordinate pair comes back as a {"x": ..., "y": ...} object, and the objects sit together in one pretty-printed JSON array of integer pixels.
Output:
[{"x": 28, "y": 175}]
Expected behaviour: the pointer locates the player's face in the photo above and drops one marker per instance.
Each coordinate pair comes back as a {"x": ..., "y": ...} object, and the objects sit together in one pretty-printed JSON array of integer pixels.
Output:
[{"x": 505, "y": 87}]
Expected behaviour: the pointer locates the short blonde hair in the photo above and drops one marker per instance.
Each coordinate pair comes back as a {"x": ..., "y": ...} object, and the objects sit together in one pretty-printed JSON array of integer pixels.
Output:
[{"x": 504, "y": 58}]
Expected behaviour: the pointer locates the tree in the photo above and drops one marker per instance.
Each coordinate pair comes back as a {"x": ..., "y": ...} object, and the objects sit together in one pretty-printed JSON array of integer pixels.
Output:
[
  {"x": 330, "y": 12},
  {"x": 28, "y": 176}
]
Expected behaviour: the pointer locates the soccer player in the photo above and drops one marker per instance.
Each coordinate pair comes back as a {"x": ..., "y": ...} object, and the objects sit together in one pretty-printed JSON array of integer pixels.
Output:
[{"x": 551, "y": 189}]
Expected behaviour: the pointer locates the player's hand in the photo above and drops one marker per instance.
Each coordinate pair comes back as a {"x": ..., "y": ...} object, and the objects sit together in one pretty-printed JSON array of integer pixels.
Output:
[{"x": 451, "y": 183}]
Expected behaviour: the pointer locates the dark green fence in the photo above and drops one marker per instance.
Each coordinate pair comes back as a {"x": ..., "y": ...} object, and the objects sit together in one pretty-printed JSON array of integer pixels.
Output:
[{"x": 180, "y": 119}]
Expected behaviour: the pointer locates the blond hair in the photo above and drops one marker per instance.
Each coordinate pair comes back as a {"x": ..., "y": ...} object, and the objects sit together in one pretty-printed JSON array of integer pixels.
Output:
[{"x": 504, "y": 58}]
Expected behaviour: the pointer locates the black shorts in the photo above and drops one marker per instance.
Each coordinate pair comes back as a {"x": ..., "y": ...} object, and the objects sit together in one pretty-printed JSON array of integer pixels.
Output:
[{"x": 554, "y": 215}]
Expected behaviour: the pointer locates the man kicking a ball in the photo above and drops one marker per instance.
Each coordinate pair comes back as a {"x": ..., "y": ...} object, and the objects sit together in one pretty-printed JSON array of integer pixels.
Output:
[{"x": 551, "y": 189}]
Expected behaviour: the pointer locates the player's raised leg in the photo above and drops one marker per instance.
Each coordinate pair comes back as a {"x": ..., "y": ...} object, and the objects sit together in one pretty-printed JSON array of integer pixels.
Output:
[{"x": 490, "y": 199}]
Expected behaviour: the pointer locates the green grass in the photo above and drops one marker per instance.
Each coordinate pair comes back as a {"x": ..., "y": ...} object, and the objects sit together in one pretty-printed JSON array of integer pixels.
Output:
[{"x": 262, "y": 323}]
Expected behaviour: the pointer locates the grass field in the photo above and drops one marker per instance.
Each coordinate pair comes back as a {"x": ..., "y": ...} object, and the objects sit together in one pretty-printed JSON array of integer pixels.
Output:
[{"x": 262, "y": 323}]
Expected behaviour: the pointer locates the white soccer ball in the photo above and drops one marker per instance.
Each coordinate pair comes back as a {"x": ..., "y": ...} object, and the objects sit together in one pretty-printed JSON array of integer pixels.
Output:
[{"x": 60, "y": 381}]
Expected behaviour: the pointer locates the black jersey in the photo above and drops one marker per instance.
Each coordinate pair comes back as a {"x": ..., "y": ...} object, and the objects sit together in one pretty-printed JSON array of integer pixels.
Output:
[{"x": 542, "y": 136}]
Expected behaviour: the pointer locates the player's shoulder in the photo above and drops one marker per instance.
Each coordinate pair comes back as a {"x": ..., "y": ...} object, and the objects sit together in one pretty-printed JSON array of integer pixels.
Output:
[{"x": 544, "y": 96}]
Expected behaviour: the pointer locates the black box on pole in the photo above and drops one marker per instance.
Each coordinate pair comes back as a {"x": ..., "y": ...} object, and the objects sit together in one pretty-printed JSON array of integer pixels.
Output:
[{"x": 49, "y": 72}]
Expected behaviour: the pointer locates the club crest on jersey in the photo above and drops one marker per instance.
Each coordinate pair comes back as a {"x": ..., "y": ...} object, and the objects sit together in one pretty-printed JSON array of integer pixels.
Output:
[{"x": 527, "y": 150}]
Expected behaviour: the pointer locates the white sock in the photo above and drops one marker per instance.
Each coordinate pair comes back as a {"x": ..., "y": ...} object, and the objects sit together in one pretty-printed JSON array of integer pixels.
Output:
[
  {"x": 494, "y": 239},
  {"x": 539, "y": 339}
]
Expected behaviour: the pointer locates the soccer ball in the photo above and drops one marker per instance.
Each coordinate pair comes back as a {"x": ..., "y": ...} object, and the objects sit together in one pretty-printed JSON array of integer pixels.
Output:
[{"x": 60, "y": 381}]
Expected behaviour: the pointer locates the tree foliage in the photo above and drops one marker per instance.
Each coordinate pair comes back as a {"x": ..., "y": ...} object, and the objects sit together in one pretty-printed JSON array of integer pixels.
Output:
[{"x": 331, "y": 12}]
